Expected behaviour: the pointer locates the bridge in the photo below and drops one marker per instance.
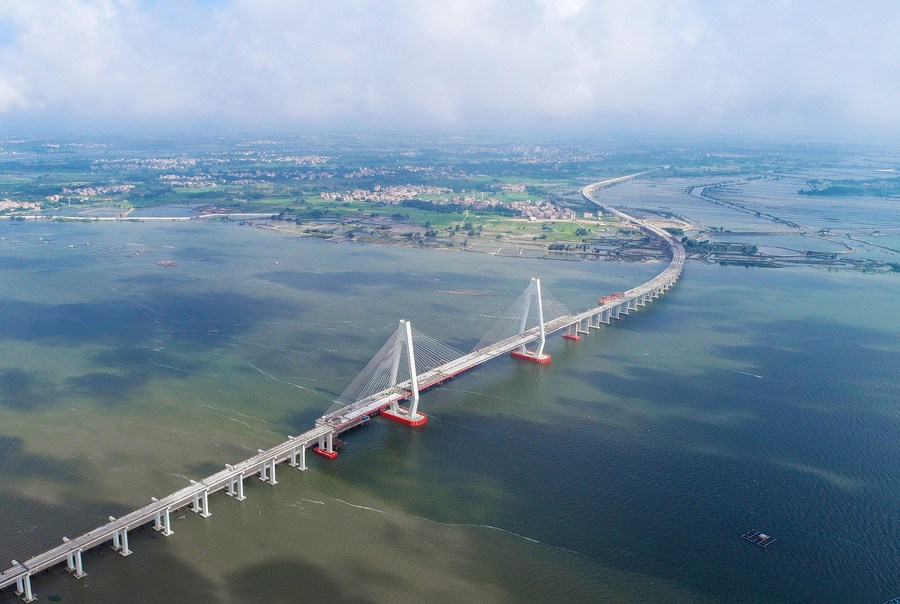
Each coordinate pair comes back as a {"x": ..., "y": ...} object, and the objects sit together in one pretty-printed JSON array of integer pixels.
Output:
[{"x": 407, "y": 364}]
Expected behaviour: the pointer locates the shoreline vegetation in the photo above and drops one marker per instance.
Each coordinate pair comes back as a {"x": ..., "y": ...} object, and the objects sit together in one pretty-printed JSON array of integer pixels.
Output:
[
  {"x": 613, "y": 245},
  {"x": 503, "y": 199}
]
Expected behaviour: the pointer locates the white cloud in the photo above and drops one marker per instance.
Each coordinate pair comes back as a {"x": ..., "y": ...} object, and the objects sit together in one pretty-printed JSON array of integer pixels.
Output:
[
  {"x": 12, "y": 97},
  {"x": 467, "y": 63}
]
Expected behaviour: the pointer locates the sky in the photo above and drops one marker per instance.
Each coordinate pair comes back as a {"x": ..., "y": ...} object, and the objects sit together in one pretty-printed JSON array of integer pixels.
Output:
[{"x": 817, "y": 67}]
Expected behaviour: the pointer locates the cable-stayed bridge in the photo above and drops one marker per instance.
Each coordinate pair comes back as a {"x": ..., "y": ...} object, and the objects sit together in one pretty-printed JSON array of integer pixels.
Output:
[{"x": 408, "y": 363}]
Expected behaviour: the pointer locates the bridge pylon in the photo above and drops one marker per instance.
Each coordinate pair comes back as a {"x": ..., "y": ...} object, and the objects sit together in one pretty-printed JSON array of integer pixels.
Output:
[
  {"x": 533, "y": 296},
  {"x": 409, "y": 416}
]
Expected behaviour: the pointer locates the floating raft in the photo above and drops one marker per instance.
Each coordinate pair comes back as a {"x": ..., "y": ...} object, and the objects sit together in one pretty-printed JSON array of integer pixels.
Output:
[{"x": 757, "y": 538}]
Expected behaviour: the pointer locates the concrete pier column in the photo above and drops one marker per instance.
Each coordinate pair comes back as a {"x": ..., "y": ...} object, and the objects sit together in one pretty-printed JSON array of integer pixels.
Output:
[
  {"x": 79, "y": 569},
  {"x": 240, "y": 488},
  {"x": 229, "y": 490},
  {"x": 301, "y": 451},
  {"x": 23, "y": 589},
  {"x": 117, "y": 543},
  {"x": 167, "y": 523},
  {"x": 195, "y": 506},
  {"x": 205, "y": 513},
  {"x": 73, "y": 564},
  {"x": 124, "y": 551},
  {"x": 329, "y": 441},
  {"x": 157, "y": 518},
  {"x": 70, "y": 558},
  {"x": 272, "y": 480},
  {"x": 262, "y": 469}
]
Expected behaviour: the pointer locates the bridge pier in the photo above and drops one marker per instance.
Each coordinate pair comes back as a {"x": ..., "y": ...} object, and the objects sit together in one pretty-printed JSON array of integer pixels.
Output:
[
  {"x": 120, "y": 540},
  {"x": 267, "y": 471},
  {"x": 293, "y": 461},
  {"x": 161, "y": 521},
  {"x": 326, "y": 446},
  {"x": 236, "y": 487},
  {"x": 73, "y": 562},
  {"x": 272, "y": 480},
  {"x": 572, "y": 333},
  {"x": 197, "y": 507},
  {"x": 23, "y": 588},
  {"x": 206, "y": 513},
  {"x": 587, "y": 327}
]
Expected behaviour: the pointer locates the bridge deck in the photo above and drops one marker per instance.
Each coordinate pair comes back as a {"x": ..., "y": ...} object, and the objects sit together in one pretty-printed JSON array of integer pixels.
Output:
[{"x": 176, "y": 500}]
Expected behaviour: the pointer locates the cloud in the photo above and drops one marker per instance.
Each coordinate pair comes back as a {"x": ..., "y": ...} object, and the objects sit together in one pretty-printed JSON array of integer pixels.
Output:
[{"x": 469, "y": 63}]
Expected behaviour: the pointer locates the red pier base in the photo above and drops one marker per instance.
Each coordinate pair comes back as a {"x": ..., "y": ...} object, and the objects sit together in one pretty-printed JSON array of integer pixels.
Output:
[
  {"x": 572, "y": 337},
  {"x": 530, "y": 356},
  {"x": 406, "y": 420},
  {"x": 324, "y": 453}
]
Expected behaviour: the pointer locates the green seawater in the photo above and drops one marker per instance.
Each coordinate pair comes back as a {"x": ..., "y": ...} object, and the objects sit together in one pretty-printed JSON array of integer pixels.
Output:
[{"x": 623, "y": 471}]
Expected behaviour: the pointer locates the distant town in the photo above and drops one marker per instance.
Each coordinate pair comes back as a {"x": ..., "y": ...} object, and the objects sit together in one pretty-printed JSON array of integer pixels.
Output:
[{"x": 502, "y": 199}]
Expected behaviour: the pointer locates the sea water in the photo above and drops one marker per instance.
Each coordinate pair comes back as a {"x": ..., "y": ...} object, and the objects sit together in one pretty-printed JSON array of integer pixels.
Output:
[{"x": 135, "y": 357}]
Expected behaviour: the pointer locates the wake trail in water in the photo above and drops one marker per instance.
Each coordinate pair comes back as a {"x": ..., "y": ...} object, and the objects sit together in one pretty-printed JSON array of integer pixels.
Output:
[
  {"x": 361, "y": 507},
  {"x": 180, "y": 369},
  {"x": 263, "y": 430},
  {"x": 481, "y": 394},
  {"x": 145, "y": 307},
  {"x": 468, "y": 525},
  {"x": 745, "y": 373},
  {"x": 317, "y": 393}
]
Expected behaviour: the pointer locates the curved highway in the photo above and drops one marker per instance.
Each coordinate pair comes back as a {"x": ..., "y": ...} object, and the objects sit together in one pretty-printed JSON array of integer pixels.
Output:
[{"x": 669, "y": 243}]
